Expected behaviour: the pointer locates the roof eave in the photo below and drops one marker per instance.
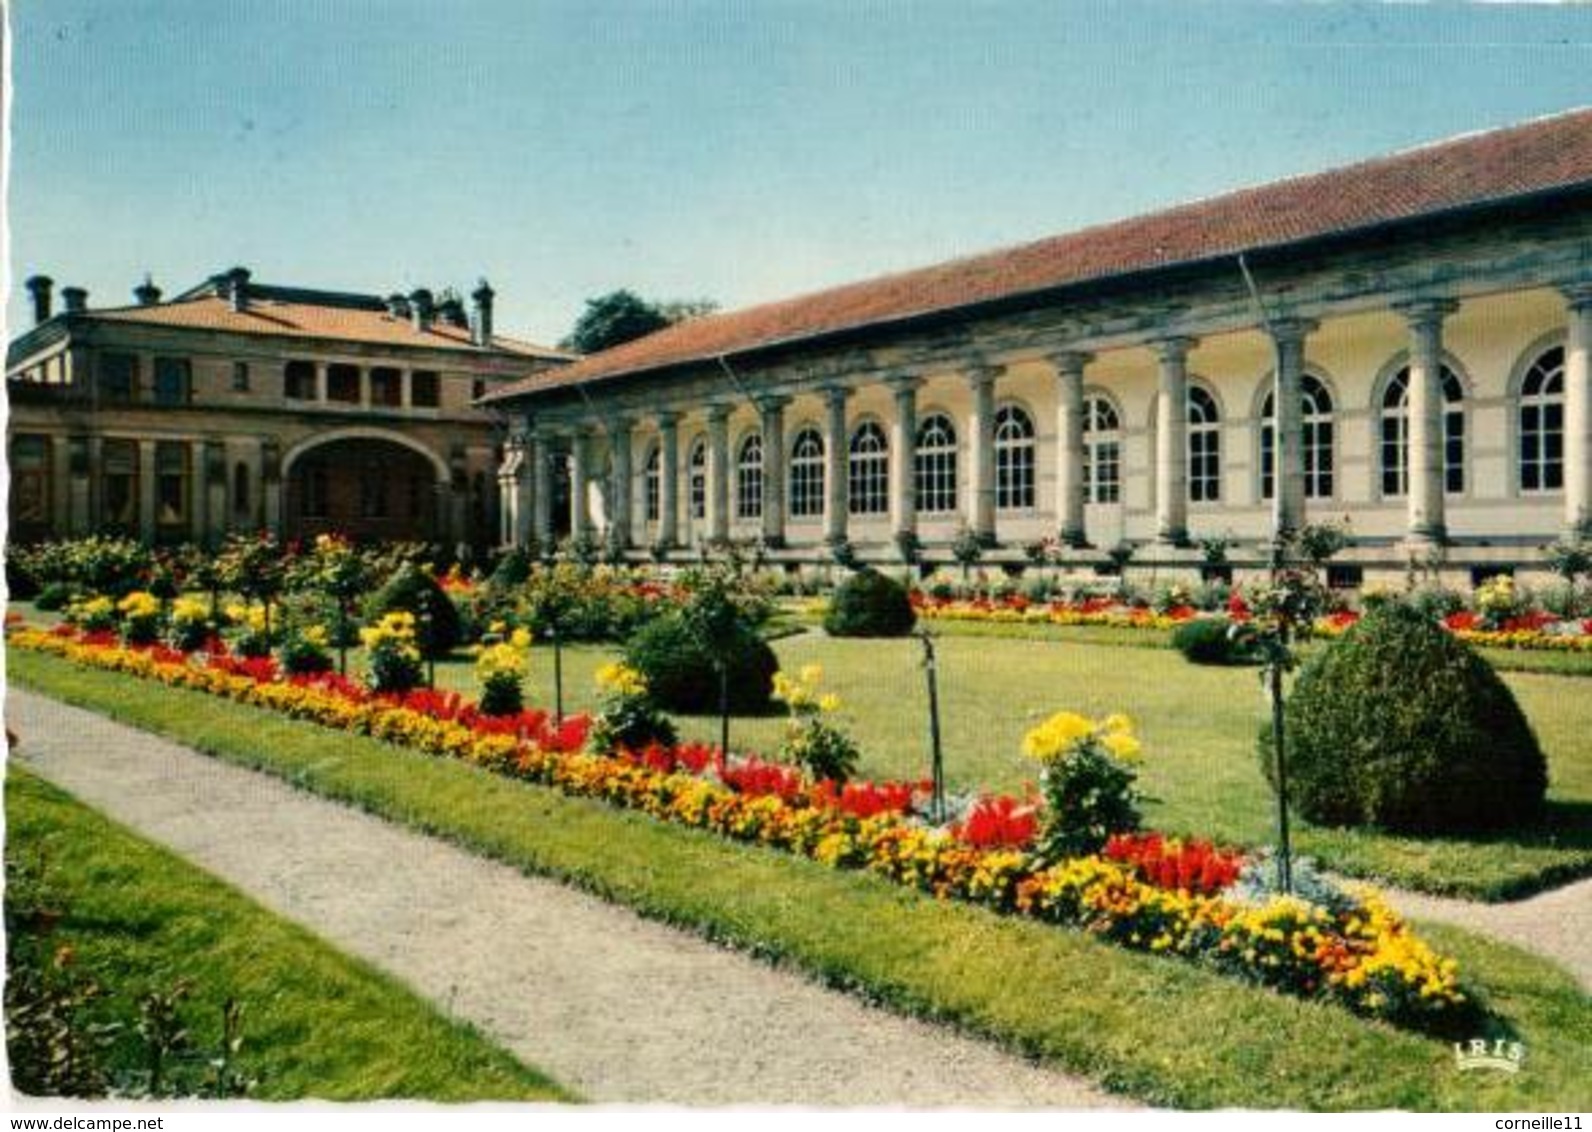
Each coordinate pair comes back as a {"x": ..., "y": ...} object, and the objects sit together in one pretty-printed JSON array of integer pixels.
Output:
[{"x": 1019, "y": 299}]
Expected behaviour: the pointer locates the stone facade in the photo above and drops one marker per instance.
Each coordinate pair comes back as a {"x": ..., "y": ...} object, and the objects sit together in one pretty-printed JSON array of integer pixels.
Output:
[
  {"x": 1434, "y": 380},
  {"x": 239, "y": 406}
]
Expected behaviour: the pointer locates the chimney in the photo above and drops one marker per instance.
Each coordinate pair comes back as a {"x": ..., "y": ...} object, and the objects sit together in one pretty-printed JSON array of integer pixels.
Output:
[
  {"x": 483, "y": 314},
  {"x": 74, "y": 300},
  {"x": 39, "y": 287},
  {"x": 398, "y": 306},
  {"x": 147, "y": 293},
  {"x": 421, "y": 309},
  {"x": 238, "y": 288}
]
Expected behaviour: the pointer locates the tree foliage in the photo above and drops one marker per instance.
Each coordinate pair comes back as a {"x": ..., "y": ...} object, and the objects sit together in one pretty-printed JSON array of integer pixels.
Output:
[{"x": 623, "y": 316}]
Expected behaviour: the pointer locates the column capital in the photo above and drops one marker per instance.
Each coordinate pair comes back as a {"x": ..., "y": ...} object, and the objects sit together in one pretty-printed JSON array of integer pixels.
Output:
[
  {"x": 615, "y": 425},
  {"x": 718, "y": 413},
  {"x": 902, "y": 384},
  {"x": 1423, "y": 313},
  {"x": 982, "y": 374},
  {"x": 667, "y": 418},
  {"x": 1577, "y": 295},
  {"x": 835, "y": 395},
  {"x": 1174, "y": 348},
  {"x": 771, "y": 403},
  {"x": 1070, "y": 363},
  {"x": 1292, "y": 331}
]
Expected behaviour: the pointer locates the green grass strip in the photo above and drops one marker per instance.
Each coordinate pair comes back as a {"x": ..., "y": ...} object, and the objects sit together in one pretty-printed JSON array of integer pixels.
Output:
[
  {"x": 316, "y": 1022},
  {"x": 1164, "y": 1031}
]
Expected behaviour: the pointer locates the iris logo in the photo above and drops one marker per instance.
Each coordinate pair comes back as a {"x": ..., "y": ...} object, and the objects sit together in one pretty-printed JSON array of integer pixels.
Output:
[{"x": 1500, "y": 1054}]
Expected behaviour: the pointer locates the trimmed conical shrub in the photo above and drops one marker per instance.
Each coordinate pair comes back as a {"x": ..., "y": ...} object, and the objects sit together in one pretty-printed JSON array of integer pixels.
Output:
[
  {"x": 868, "y": 604},
  {"x": 1402, "y": 726},
  {"x": 681, "y": 675}
]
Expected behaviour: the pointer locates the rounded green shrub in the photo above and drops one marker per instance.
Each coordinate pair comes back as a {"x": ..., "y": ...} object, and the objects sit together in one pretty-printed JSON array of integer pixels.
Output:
[
  {"x": 681, "y": 675},
  {"x": 416, "y": 591},
  {"x": 1206, "y": 640},
  {"x": 1401, "y": 726},
  {"x": 868, "y": 604}
]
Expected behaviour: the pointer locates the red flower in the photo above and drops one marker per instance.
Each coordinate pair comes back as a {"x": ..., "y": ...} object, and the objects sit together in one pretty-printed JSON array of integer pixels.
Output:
[{"x": 999, "y": 821}]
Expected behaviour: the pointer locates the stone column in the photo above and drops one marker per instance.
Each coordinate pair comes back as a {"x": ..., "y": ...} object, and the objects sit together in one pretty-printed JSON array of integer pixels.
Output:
[
  {"x": 579, "y": 509},
  {"x": 364, "y": 387},
  {"x": 1171, "y": 442},
  {"x": 1288, "y": 469},
  {"x": 1578, "y": 413},
  {"x": 1424, "y": 417},
  {"x": 406, "y": 388},
  {"x": 321, "y": 383},
  {"x": 1069, "y": 366},
  {"x": 904, "y": 455},
  {"x": 510, "y": 473},
  {"x": 620, "y": 491},
  {"x": 981, "y": 439},
  {"x": 522, "y": 529},
  {"x": 146, "y": 491},
  {"x": 772, "y": 411},
  {"x": 718, "y": 472},
  {"x": 835, "y": 451},
  {"x": 94, "y": 485},
  {"x": 669, "y": 479},
  {"x": 539, "y": 451},
  {"x": 272, "y": 489}
]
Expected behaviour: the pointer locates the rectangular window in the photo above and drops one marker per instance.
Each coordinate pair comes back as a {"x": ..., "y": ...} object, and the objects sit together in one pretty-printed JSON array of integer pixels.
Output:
[
  {"x": 477, "y": 389},
  {"x": 298, "y": 381},
  {"x": 386, "y": 387},
  {"x": 1102, "y": 472},
  {"x": 1205, "y": 465},
  {"x": 240, "y": 377},
  {"x": 30, "y": 484},
  {"x": 342, "y": 383},
  {"x": 1454, "y": 453},
  {"x": 425, "y": 389},
  {"x": 118, "y": 377},
  {"x": 173, "y": 381},
  {"x": 173, "y": 476},
  {"x": 119, "y": 486}
]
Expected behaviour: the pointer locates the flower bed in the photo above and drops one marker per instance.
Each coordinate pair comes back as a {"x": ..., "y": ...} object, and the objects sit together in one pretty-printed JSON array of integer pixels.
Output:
[
  {"x": 1016, "y": 609},
  {"x": 1142, "y": 893}
]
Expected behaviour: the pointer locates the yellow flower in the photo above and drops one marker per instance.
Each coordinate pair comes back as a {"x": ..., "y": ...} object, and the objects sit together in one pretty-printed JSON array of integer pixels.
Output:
[
  {"x": 1121, "y": 745},
  {"x": 520, "y": 638},
  {"x": 829, "y": 702},
  {"x": 1117, "y": 722},
  {"x": 812, "y": 673},
  {"x": 1056, "y": 736},
  {"x": 621, "y": 680}
]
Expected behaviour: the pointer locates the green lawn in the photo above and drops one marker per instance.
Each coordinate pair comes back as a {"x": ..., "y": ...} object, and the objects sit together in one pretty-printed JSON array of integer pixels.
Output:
[
  {"x": 1198, "y": 725},
  {"x": 316, "y": 1023},
  {"x": 1168, "y": 1032}
]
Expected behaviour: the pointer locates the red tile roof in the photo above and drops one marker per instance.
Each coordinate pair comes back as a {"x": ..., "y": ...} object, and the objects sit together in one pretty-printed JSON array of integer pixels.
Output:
[
  {"x": 275, "y": 317},
  {"x": 1539, "y": 156}
]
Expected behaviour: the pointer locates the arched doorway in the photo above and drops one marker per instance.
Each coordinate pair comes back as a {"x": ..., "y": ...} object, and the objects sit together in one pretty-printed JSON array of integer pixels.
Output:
[{"x": 367, "y": 488}]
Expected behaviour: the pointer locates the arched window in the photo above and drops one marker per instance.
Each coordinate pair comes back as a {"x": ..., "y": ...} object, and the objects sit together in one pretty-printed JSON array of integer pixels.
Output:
[
  {"x": 1014, "y": 459},
  {"x": 653, "y": 484},
  {"x": 1395, "y": 445},
  {"x": 749, "y": 478},
  {"x": 1102, "y": 451},
  {"x": 1316, "y": 404},
  {"x": 868, "y": 472},
  {"x": 1204, "y": 447},
  {"x": 807, "y": 475},
  {"x": 1542, "y": 423},
  {"x": 936, "y": 465},
  {"x": 699, "y": 480}
]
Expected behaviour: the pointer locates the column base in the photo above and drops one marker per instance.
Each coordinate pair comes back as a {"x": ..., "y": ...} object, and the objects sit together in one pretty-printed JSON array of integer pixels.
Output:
[
  {"x": 1074, "y": 539},
  {"x": 774, "y": 542},
  {"x": 1172, "y": 540}
]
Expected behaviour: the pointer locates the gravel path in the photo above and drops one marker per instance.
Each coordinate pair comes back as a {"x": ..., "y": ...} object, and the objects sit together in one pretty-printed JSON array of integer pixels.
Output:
[
  {"x": 619, "y": 1009},
  {"x": 1556, "y": 924}
]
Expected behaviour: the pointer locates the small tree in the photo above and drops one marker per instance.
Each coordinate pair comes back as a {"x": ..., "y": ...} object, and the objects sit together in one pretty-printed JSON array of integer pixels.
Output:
[
  {"x": 335, "y": 569},
  {"x": 722, "y": 612},
  {"x": 255, "y": 567}
]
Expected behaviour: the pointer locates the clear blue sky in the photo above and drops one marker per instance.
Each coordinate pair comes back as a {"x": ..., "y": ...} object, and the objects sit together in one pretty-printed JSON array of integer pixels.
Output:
[{"x": 741, "y": 150}]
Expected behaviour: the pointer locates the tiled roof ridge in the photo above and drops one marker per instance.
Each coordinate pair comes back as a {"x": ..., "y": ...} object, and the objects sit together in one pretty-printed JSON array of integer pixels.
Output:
[{"x": 661, "y": 350}]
